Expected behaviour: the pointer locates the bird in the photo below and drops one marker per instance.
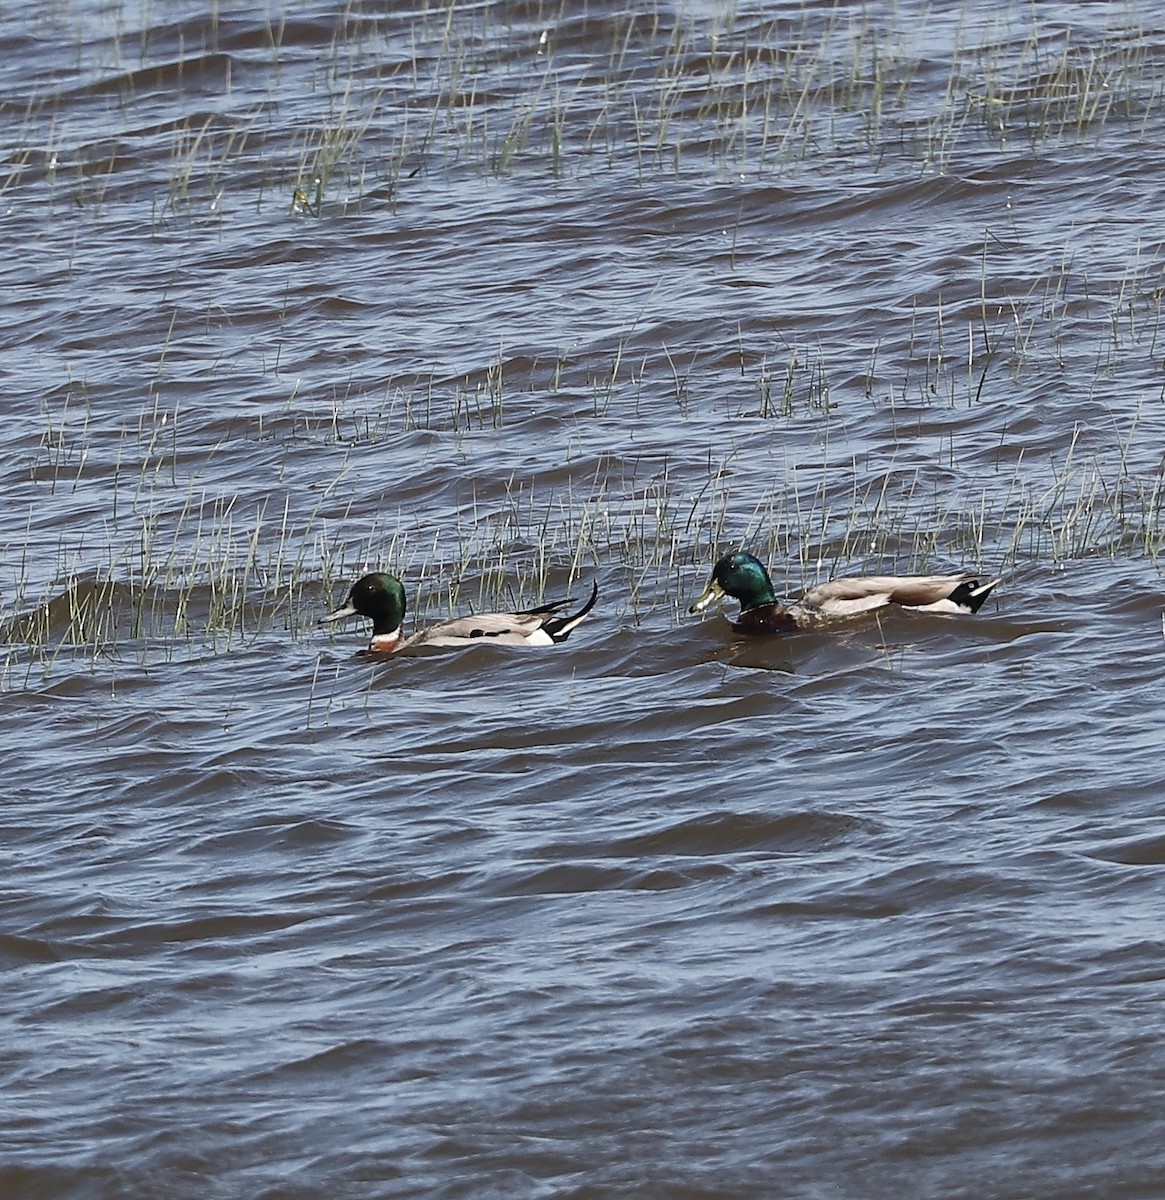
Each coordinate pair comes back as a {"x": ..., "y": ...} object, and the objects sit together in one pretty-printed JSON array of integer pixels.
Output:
[
  {"x": 381, "y": 598},
  {"x": 744, "y": 577}
]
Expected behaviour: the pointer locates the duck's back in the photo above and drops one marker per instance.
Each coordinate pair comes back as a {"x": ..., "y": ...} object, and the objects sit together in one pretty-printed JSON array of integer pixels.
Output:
[{"x": 505, "y": 629}]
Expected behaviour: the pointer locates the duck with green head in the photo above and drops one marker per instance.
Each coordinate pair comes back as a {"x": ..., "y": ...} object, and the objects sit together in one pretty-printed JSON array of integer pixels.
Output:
[
  {"x": 381, "y": 598},
  {"x": 743, "y": 577}
]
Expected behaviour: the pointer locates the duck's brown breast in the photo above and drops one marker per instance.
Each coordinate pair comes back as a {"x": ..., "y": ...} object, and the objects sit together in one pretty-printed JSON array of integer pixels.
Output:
[{"x": 766, "y": 618}]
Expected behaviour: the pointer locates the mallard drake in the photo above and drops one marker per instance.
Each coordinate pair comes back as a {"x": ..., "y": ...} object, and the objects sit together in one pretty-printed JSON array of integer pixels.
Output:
[
  {"x": 743, "y": 577},
  {"x": 381, "y": 598}
]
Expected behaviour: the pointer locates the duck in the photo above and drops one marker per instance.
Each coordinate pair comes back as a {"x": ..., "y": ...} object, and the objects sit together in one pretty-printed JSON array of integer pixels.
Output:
[
  {"x": 381, "y": 598},
  {"x": 743, "y": 576}
]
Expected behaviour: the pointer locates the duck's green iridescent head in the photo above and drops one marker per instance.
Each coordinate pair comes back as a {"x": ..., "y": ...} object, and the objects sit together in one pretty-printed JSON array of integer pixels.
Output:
[
  {"x": 378, "y": 596},
  {"x": 741, "y": 576}
]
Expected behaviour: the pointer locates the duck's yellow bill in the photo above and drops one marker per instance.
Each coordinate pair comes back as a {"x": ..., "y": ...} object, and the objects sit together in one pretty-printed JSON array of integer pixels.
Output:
[{"x": 712, "y": 593}]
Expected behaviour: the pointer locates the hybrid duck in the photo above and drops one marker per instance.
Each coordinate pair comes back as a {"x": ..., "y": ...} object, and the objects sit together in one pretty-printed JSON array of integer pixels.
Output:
[{"x": 381, "y": 598}]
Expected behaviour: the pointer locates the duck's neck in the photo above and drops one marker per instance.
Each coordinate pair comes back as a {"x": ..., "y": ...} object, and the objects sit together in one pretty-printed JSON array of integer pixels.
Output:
[
  {"x": 388, "y": 613},
  {"x": 759, "y": 595}
]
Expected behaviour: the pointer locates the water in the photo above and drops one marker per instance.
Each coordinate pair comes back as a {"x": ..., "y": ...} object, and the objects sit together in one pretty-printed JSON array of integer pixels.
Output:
[{"x": 871, "y": 911}]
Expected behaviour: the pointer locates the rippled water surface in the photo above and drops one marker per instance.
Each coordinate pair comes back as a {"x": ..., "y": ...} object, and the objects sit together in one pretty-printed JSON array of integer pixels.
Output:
[{"x": 507, "y": 298}]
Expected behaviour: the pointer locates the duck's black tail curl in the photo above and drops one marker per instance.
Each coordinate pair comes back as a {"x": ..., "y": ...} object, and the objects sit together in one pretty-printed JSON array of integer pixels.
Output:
[
  {"x": 559, "y": 628},
  {"x": 971, "y": 593}
]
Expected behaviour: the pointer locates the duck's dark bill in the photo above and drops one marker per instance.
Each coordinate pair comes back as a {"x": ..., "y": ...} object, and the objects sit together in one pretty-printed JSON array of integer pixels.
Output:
[{"x": 348, "y": 610}]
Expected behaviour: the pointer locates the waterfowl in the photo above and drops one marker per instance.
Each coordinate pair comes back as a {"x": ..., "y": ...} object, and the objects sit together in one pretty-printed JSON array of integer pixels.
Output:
[
  {"x": 381, "y": 598},
  {"x": 744, "y": 577}
]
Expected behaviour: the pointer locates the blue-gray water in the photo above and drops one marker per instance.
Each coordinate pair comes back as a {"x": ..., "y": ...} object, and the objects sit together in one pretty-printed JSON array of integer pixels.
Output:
[{"x": 506, "y": 298}]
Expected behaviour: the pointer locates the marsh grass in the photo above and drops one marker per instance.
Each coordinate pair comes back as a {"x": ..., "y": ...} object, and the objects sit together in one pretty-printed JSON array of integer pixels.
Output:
[
  {"x": 185, "y": 572},
  {"x": 175, "y": 567},
  {"x": 209, "y": 575},
  {"x": 552, "y": 88}
]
